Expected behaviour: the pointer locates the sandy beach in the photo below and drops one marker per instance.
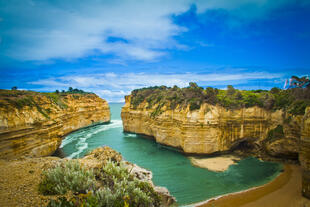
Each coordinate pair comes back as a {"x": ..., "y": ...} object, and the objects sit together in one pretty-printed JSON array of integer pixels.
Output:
[
  {"x": 283, "y": 191},
  {"x": 217, "y": 164}
]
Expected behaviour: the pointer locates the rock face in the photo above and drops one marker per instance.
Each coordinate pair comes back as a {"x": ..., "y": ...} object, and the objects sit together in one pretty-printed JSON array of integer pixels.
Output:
[
  {"x": 33, "y": 124},
  {"x": 304, "y": 156},
  {"x": 215, "y": 129}
]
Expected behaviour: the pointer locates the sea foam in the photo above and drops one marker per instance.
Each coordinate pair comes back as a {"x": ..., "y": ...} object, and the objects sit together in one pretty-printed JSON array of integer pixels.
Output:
[{"x": 82, "y": 136}]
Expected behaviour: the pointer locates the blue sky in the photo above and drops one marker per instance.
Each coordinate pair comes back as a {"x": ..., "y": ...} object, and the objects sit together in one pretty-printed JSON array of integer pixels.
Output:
[{"x": 112, "y": 47}]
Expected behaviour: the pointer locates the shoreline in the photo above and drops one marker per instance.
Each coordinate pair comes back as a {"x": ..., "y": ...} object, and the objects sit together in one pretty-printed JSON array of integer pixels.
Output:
[
  {"x": 214, "y": 200},
  {"x": 282, "y": 186}
]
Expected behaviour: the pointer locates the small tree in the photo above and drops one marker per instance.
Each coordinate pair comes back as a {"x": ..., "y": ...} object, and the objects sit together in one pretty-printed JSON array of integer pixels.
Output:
[
  {"x": 193, "y": 85},
  {"x": 275, "y": 90},
  {"x": 14, "y": 88},
  {"x": 57, "y": 91},
  {"x": 70, "y": 89},
  {"x": 230, "y": 90},
  {"x": 238, "y": 96}
]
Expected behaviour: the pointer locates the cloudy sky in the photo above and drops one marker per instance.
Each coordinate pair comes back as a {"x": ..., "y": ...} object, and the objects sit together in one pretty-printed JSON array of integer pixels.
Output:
[{"x": 111, "y": 47}]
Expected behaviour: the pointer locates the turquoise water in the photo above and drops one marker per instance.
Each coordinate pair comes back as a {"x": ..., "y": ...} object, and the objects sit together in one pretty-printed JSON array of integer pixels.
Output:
[{"x": 170, "y": 168}]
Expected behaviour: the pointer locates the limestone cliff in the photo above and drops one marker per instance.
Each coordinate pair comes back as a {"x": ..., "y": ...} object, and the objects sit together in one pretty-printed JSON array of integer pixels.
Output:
[
  {"x": 33, "y": 123},
  {"x": 304, "y": 156},
  {"x": 213, "y": 128}
]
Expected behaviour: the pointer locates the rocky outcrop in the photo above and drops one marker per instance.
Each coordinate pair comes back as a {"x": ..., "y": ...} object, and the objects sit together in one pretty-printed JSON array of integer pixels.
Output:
[
  {"x": 304, "y": 156},
  {"x": 33, "y": 124},
  {"x": 97, "y": 158},
  {"x": 213, "y": 128}
]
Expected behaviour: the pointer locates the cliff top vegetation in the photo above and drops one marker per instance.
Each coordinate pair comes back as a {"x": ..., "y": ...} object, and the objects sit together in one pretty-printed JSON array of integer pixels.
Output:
[
  {"x": 293, "y": 100},
  {"x": 22, "y": 98}
]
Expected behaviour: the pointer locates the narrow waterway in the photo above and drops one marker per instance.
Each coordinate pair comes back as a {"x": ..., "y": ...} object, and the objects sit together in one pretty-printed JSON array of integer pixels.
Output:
[{"x": 170, "y": 168}]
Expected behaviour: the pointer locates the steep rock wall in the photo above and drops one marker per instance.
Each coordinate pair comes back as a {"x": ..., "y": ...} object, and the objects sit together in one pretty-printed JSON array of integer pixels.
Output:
[
  {"x": 214, "y": 128},
  {"x": 304, "y": 155},
  {"x": 36, "y": 129}
]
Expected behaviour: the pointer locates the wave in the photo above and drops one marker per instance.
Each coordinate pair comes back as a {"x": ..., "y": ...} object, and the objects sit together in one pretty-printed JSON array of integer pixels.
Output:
[{"x": 83, "y": 135}]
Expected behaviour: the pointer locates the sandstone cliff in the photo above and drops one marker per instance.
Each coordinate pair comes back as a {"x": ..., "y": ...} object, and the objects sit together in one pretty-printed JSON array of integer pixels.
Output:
[
  {"x": 33, "y": 123},
  {"x": 213, "y": 128},
  {"x": 304, "y": 156}
]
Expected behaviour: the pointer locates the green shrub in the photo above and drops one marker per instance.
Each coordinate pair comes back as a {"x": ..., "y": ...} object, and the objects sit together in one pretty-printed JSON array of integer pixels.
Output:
[
  {"x": 194, "y": 104},
  {"x": 68, "y": 176},
  {"x": 122, "y": 187},
  {"x": 298, "y": 107},
  {"x": 118, "y": 187},
  {"x": 87, "y": 200},
  {"x": 274, "y": 134},
  {"x": 157, "y": 111},
  {"x": 57, "y": 99},
  {"x": 293, "y": 100}
]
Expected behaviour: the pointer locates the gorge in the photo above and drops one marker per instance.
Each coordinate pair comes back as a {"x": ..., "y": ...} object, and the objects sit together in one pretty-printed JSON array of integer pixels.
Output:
[
  {"x": 34, "y": 125},
  {"x": 202, "y": 124}
]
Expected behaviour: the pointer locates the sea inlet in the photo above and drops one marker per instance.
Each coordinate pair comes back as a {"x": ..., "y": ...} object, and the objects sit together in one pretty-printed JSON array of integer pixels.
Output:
[{"x": 170, "y": 168}]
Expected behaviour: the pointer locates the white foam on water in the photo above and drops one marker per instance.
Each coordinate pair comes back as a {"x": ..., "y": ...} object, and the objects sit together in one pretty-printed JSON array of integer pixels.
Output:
[
  {"x": 131, "y": 135},
  {"x": 81, "y": 145},
  {"x": 84, "y": 135}
]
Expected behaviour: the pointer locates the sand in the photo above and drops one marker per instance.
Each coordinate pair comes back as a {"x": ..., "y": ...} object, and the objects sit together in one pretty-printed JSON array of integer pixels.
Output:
[
  {"x": 283, "y": 191},
  {"x": 217, "y": 164}
]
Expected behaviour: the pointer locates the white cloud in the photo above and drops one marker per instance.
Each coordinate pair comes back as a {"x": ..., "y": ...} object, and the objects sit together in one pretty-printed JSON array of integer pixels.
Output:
[
  {"x": 114, "y": 87},
  {"x": 73, "y": 29},
  {"x": 69, "y": 30}
]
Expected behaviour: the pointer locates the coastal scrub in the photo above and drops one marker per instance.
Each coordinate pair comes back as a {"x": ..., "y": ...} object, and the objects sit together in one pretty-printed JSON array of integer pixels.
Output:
[
  {"x": 111, "y": 185},
  {"x": 294, "y": 100}
]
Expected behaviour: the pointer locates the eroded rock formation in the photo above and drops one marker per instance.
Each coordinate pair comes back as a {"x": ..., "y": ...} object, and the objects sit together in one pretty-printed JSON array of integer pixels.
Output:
[
  {"x": 213, "y": 128},
  {"x": 33, "y": 124},
  {"x": 304, "y": 156}
]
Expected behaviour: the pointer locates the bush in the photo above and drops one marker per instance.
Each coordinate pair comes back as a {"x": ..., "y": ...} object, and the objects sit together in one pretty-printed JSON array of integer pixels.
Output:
[
  {"x": 122, "y": 188},
  {"x": 230, "y": 90},
  {"x": 68, "y": 176},
  {"x": 274, "y": 134},
  {"x": 298, "y": 107},
  {"x": 117, "y": 187}
]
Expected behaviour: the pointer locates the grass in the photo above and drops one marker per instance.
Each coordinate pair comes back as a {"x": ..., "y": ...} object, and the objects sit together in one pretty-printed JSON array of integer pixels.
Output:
[{"x": 57, "y": 99}]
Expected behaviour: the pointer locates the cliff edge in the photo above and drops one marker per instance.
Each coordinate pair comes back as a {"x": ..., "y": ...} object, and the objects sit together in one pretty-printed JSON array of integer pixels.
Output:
[
  {"x": 213, "y": 128},
  {"x": 33, "y": 123}
]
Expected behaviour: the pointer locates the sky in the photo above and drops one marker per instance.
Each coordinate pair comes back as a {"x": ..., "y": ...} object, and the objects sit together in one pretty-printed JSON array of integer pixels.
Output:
[{"x": 111, "y": 47}]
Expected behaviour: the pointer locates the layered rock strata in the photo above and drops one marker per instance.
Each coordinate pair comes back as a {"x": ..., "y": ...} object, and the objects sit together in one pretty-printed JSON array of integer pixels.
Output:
[
  {"x": 304, "y": 155},
  {"x": 214, "y": 129},
  {"x": 33, "y": 124}
]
